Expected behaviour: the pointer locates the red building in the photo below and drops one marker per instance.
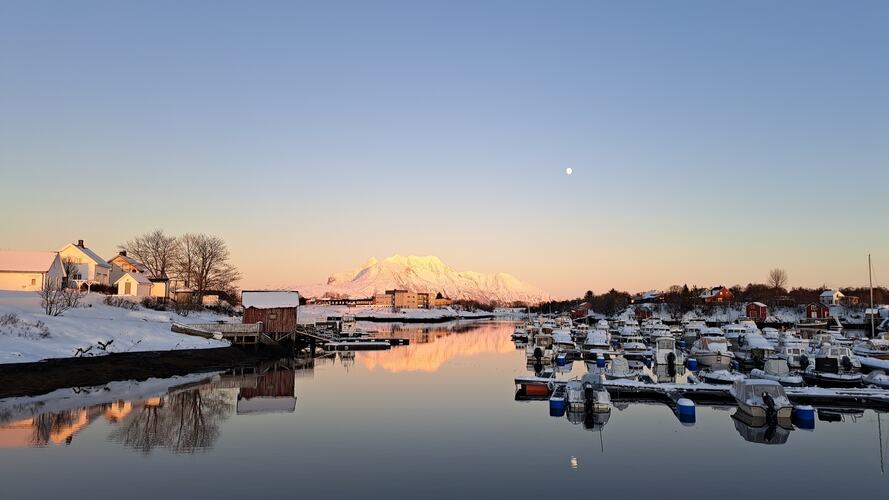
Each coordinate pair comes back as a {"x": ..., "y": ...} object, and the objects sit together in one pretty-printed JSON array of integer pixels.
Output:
[
  {"x": 757, "y": 311},
  {"x": 581, "y": 311},
  {"x": 276, "y": 310},
  {"x": 816, "y": 310},
  {"x": 717, "y": 295}
]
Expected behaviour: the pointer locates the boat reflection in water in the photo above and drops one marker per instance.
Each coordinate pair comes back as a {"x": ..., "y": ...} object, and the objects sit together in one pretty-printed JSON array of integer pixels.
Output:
[
  {"x": 758, "y": 430},
  {"x": 179, "y": 414}
]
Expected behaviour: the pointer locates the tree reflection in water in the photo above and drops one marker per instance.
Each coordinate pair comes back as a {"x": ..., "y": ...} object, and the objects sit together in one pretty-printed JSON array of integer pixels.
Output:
[{"x": 183, "y": 422}]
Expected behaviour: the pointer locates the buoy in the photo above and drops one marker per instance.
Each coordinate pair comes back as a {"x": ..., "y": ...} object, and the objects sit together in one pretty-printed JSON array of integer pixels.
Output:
[
  {"x": 561, "y": 360},
  {"x": 803, "y": 416},
  {"x": 600, "y": 361},
  {"x": 686, "y": 410},
  {"x": 692, "y": 364}
]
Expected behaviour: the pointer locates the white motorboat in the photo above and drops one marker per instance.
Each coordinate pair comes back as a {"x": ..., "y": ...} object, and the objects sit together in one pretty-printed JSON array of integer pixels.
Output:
[
  {"x": 665, "y": 352},
  {"x": 877, "y": 378},
  {"x": 762, "y": 398},
  {"x": 711, "y": 350},
  {"x": 597, "y": 339},
  {"x": 776, "y": 369},
  {"x": 541, "y": 350},
  {"x": 872, "y": 348},
  {"x": 562, "y": 340},
  {"x": 595, "y": 395},
  {"x": 772, "y": 335},
  {"x": 792, "y": 352},
  {"x": 753, "y": 348},
  {"x": 659, "y": 331},
  {"x": 634, "y": 346},
  {"x": 720, "y": 376},
  {"x": 619, "y": 369},
  {"x": 834, "y": 366},
  {"x": 692, "y": 331}
]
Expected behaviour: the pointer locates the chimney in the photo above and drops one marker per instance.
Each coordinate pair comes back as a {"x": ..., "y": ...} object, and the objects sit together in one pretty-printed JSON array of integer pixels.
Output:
[
  {"x": 80, "y": 243},
  {"x": 123, "y": 253}
]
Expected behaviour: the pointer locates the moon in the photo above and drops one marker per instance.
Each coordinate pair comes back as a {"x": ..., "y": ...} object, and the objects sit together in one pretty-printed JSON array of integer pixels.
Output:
[{"x": 569, "y": 171}]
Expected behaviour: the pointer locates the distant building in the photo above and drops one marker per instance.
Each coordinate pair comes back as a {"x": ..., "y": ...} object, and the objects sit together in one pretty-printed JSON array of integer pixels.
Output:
[
  {"x": 122, "y": 264},
  {"x": 642, "y": 313},
  {"x": 581, "y": 311},
  {"x": 757, "y": 311},
  {"x": 831, "y": 297},
  {"x": 405, "y": 299},
  {"x": 649, "y": 297},
  {"x": 28, "y": 271},
  {"x": 133, "y": 284},
  {"x": 277, "y": 310},
  {"x": 817, "y": 310},
  {"x": 717, "y": 295},
  {"x": 89, "y": 268}
]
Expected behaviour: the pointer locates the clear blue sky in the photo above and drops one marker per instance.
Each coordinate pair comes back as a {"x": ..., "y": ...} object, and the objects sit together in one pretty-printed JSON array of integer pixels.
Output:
[{"x": 710, "y": 141}]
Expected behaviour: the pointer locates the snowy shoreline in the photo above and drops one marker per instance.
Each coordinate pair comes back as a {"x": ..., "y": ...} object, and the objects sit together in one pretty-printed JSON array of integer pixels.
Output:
[{"x": 29, "y": 335}]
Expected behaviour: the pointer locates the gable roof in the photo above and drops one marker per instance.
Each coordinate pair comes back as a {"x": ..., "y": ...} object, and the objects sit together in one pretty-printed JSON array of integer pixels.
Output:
[
  {"x": 139, "y": 277},
  {"x": 140, "y": 266},
  {"x": 758, "y": 304},
  {"x": 269, "y": 299},
  {"x": 831, "y": 293},
  {"x": 89, "y": 253},
  {"x": 35, "y": 262}
]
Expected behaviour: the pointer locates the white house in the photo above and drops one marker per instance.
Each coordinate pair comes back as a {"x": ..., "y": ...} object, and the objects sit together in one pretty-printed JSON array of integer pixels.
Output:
[
  {"x": 28, "y": 271},
  {"x": 133, "y": 284},
  {"x": 89, "y": 267},
  {"x": 831, "y": 297},
  {"x": 122, "y": 264}
]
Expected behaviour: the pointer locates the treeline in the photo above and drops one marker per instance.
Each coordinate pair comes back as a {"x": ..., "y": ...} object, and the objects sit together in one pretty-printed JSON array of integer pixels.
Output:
[{"x": 198, "y": 261}]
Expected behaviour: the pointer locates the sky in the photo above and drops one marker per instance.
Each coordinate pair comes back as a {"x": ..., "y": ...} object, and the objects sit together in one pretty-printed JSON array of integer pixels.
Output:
[{"x": 709, "y": 141}]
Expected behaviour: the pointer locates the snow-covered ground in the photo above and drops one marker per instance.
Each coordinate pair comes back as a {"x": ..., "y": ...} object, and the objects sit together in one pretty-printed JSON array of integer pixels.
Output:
[
  {"x": 315, "y": 313},
  {"x": 34, "y": 336}
]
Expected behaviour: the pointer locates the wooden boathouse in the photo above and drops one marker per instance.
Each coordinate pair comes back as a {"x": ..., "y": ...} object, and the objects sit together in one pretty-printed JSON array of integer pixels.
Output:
[{"x": 276, "y": 310}]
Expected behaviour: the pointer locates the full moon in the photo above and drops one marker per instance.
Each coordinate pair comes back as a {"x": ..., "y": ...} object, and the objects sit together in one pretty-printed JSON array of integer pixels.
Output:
[{"x": 569, "y": 171}]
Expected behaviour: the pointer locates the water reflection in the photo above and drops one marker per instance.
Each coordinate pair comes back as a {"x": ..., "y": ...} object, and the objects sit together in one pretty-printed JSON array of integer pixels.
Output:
[{"x": 432, "y": 347}]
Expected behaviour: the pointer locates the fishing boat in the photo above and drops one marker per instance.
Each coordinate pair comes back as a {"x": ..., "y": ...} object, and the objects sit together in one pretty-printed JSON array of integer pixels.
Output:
[
  {"x": 720, "y": 376},
  {"x": 762, "y": 398},
  {"x": 835, "y": 366},
  {"x": 619, "y": 369},
  {"x": 711, "y": 350},
  {"x": 776, "y": 369}
]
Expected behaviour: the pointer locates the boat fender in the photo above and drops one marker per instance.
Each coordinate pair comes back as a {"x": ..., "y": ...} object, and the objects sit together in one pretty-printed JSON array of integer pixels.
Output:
[
  {"x": 538, "y": 353},
  {"x": 804, "y": 361},
  {"x": 847, "y": 363}
]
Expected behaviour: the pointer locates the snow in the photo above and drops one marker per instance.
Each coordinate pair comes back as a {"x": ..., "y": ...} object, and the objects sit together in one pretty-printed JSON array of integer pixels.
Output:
[
  {"x": 94, "y": 322},
  {"x": 316, "y": 313},
  {"x": 26, "y": 261},
  {"x": 425, "y": 274},
  {"x": 269, "y": 299}
]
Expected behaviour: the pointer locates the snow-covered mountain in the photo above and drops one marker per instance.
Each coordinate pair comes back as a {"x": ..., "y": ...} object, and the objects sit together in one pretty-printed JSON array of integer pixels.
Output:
[{"x": 424, "y": 274}]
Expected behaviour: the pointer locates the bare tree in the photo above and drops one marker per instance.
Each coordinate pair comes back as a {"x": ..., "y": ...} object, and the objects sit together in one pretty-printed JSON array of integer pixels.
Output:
[
  {"x": 72, "y": 271},
  {"x": 155, "y": 249},
  {"x": 777, "y": 278},
  {"x": 53, "y": 298},
  {"x": 203, "y": 263}
]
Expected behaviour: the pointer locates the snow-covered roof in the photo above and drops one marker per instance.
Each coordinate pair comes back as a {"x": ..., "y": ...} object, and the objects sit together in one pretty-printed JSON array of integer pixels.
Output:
[
  {"x": 758, "y": 304},
  {"x": 90, "y": 254},
  {"x": 138, "y": 265},
  {"x": 139, "y": 277},
  {"x": 830, "y": 293},
  {"x": 269, "y": 299},
  {"x": 15, "y": 261}
]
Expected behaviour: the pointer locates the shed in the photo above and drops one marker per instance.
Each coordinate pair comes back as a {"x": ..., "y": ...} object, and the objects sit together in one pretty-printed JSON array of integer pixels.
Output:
[
  {"x": 757, "y": 311},
  {"x": 275, "y": 309},
  {"x": 133, "y": 284},
  {"x": 817, "y": 310}
]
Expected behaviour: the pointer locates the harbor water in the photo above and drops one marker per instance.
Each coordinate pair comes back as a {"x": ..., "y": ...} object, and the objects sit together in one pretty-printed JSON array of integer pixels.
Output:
[{"x": 435, "y": 419}]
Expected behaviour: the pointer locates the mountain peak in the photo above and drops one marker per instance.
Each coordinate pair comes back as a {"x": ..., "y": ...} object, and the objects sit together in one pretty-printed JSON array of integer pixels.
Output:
[{"x": 425, "y": 274}]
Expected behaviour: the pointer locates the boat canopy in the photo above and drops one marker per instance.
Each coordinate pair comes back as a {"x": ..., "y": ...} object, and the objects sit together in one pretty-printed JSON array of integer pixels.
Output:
[
  {"x": 776, "y": 366},
  {"x": 751, "y": 390}
]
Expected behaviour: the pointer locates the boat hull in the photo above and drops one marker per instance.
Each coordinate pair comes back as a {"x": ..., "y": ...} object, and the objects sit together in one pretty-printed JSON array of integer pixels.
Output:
[{"x": 713, "y": 360}]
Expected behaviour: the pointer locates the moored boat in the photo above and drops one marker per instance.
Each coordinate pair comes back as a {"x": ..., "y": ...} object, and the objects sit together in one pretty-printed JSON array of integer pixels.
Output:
[
  {"x": 776, "y": 369},
  {"x": 762, "y": 398}
]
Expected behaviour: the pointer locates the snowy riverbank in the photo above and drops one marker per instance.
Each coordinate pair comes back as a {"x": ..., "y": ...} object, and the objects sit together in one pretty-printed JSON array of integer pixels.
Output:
[
  {"x": 27, "y": 334},
  {"x": 316, "y": 313}
]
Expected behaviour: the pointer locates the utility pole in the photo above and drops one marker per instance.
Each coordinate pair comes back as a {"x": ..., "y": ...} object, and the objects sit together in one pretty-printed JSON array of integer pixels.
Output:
[{"x": 873, "y": 312}]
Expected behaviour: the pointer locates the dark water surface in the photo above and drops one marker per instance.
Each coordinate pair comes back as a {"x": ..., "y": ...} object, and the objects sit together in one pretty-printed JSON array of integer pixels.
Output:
[{"x": 436, "y": 419}]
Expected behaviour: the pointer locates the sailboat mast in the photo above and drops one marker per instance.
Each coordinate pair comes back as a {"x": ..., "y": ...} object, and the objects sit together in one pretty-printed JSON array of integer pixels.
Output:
[{"x": 870, "y": 276}]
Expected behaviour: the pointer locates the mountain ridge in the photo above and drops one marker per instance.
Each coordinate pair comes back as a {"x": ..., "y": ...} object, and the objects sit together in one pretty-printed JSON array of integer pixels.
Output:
[{"x": 424, "y": 274}]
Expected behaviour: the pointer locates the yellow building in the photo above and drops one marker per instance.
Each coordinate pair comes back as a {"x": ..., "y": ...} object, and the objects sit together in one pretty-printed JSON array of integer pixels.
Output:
[{"x": 410, "y": 300}]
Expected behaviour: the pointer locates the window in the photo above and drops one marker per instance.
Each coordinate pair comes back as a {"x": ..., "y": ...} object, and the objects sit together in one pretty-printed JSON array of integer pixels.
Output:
[{"x": 33, "y": 281}]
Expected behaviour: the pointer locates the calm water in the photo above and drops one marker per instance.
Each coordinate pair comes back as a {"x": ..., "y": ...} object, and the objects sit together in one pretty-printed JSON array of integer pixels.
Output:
[{"x": 436, "y": 419}]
